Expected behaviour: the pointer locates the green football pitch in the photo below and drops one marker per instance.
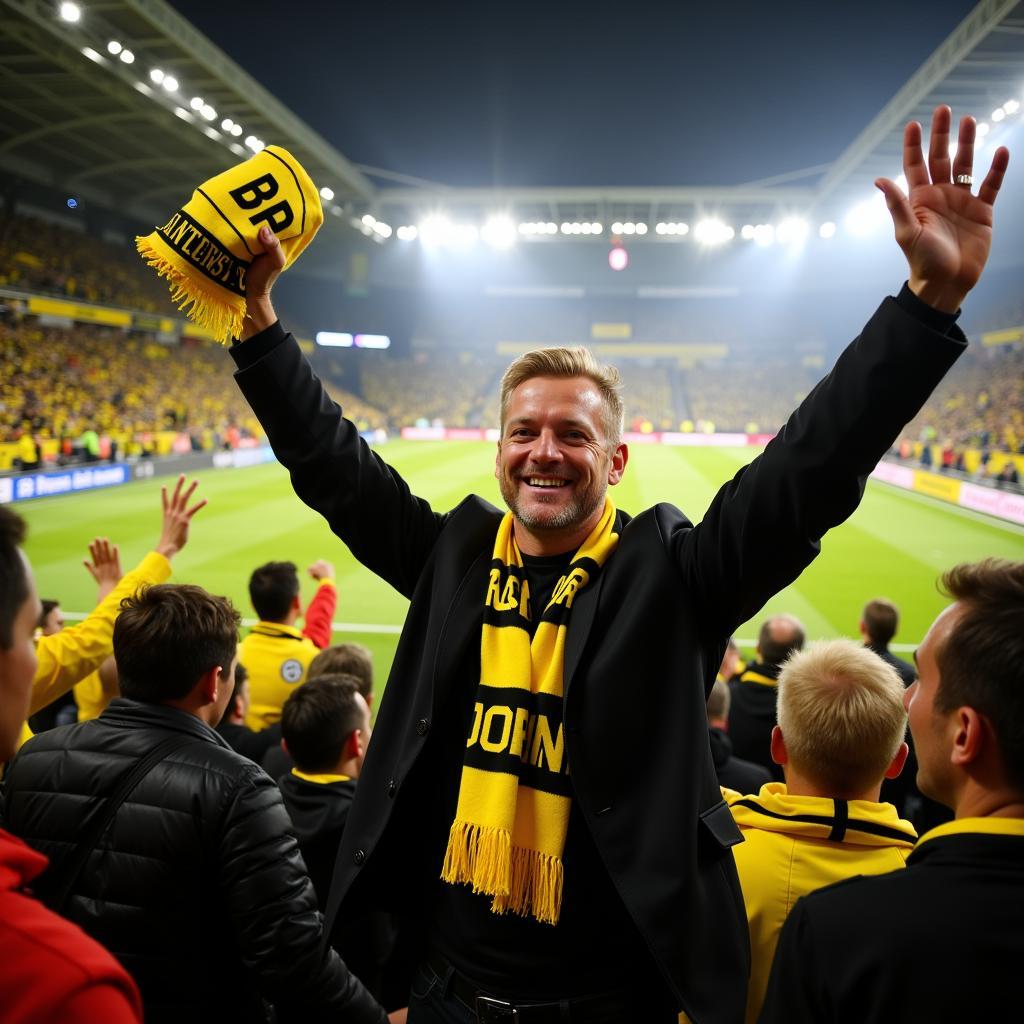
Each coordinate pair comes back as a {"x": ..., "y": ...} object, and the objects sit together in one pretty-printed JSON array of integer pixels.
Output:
[{"x": 895, "y": 545}]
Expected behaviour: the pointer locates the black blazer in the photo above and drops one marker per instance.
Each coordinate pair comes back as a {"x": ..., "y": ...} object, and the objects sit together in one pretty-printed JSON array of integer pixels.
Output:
[{"x": 651, "y": 631}]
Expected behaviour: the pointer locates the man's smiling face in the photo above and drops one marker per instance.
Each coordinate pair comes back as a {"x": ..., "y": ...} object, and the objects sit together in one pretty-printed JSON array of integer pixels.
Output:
[{"x": 554, "y": 464}]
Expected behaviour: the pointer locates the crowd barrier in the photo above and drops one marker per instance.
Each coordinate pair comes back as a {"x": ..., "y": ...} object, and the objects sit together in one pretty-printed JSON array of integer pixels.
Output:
[
  {"x": 75, "y": 479},
  {"x": 1001, "y": 504}
]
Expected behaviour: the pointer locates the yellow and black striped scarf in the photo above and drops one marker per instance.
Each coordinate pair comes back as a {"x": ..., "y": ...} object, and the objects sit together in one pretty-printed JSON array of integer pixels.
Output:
[{"x": 514, "y": 799}]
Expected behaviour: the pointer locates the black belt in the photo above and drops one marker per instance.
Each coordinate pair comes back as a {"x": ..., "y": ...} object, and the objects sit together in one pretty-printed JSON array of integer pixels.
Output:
[{"x": 492, "y": 1010}]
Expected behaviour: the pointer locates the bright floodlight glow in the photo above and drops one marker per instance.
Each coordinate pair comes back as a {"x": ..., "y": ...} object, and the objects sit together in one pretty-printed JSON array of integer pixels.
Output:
[
  {"x": 597, "y": 227},
  {"x": 617, "y": 227},
  {"x": 89, "y": 52},
  {"x": 901, "y": 182},
  {"x": 641, "y": 229},
  {"x": 712, "y": 231},
  {"x": 334, "y": 339},
  {"x": 566, "y": 227},
  {"x": 235, "y": 148},
  {"x": 236, "y": 130},
  {"x": 499, "y": 232},
  {"x": 747, "y": 232},
  {"x": 382, "y": 229},
  {"x": 156, "y": 76},
  {"x": 114, "y": 47},
  {"x": 183, "y": 114},
  {"x": 764, "y": 234},
  {"x": 326, "y": 193},
  {"x": 208, "y": 112},
  {"x": 170, "y": 83},
  {"x": 227, "y": 124},
  {"x": 866, "y": 217},
  {"x": 373, "y": 341},
  {"x": 998, "y": 114},
  {"x": 684, "y": 229},
  {"x": 197, "y": 103},
  {"x": 407, "y": 232},
  {"x": 127, "y": 56},
  {"x": 70, "y": 12},
  {"x": 792, "y": 231},
  {"x": 528, "y": 228},
  {"x": 434, "y": 230},
  {"x": 983, "y": 129},
  {"x": 368, "y": 219},
  {"x": 253, "y": 143},
  {"x": 618, "y": 258},
  {"x": 211, "y": 133},
  {"x": 629, "y": 228},
  {"x": 659, "y": 228},
  {"x": 1011, "y": 106},
  {"x": 827, "y": 230}
]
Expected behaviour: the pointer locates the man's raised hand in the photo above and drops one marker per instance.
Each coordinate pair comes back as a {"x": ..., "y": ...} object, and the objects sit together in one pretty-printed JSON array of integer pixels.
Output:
[
  {"x": 104, "y": 565},
  {"x": 944, "y": 230},
  {"x": 259, "y": 280},
  {"x": 177, "y": 517}
]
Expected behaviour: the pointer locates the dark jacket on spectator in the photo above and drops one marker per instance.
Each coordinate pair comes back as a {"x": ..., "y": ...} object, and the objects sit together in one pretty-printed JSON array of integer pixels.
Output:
[
  {"x": 319, "y": 812},
  {"x": 734, "y": 772},
  {"x": 198, "y": 886},
  {"x": 907, "y": 671},
  {"x": 752, "y": 715},
  {"x": 249, "y": 743}
]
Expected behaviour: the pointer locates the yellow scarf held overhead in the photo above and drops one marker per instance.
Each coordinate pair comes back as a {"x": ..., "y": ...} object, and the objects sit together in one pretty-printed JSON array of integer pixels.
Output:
[
  {"x": 205, "y": 248},
  {"x": 510, "y": 825}
]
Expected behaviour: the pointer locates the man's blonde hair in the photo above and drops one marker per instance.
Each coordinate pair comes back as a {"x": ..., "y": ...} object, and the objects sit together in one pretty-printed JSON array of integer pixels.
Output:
[
  {"x": 568, "y": 362},
  {"x": 840, "y": 708}
]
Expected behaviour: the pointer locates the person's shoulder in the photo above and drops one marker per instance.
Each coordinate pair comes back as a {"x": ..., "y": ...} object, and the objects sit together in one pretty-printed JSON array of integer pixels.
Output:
[{"x": 851, "y": 898}]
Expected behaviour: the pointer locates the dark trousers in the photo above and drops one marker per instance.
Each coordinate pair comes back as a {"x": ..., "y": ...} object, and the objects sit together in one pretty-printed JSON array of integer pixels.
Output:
[{"x": 431, "y": 1001}]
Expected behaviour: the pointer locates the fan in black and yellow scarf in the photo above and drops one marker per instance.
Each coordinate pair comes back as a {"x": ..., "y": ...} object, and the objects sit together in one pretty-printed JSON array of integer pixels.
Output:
[
  {"x": 205, "y": 248},
  {"x": 515, "y": 796}
]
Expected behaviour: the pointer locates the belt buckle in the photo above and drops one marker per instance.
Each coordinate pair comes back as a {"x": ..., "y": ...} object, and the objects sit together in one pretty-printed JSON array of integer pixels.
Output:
[{"x": 495, "y": 1011}]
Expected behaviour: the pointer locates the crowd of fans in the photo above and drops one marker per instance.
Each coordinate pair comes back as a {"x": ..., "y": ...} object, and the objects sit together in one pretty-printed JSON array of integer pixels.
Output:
[
  {"x": 41, "y": 256},
  {"x": 93, "y": 382}
]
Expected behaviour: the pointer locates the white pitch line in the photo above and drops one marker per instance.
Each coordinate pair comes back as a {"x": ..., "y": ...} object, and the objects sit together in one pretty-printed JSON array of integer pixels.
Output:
[{"x": 389, "y": 628}]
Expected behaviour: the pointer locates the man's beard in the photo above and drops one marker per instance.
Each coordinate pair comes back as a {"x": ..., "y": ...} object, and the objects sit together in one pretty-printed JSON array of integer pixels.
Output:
[{"x": 578, "y": 510}]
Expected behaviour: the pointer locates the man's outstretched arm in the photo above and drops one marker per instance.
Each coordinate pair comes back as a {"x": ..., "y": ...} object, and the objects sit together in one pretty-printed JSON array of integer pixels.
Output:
[{"x": 765, "y": 525}]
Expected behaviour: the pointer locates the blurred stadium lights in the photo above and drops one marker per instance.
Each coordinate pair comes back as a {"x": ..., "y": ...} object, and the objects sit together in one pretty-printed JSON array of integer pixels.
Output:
[
  {"x": 792, "y": 231},
  {"x": 539, "y": 227},
  {"x": 89, "y": 52},
  {"x": 256, "y": 145},
  {"x": 211, "y": 133},
  {"x": 208, "y": 112},
  {"x": 499, "y": 231},
  {"x": 618, "y": 258},
  {"x": 827, "y": 230},
  {"x": 373, "y": 341},
  {"x": 156, "y": 76},
  {"x": 867, "y": 216},
  {"x": 1011, "y": 106},
  {"x": 672, "y": 228},
  {"x": 183, "y": 114},
  {"x": 170, "y": 83},
  {"x": 408, "y": 232},
  {"x": 70, "y": 12},
  {"x": 114, "y": 47},
  {"x": 747, "y": 232},
  {"x": 334, "y": 339},
  {"x": 337, "y": 211},
  {"x": 236, "y": 149},
  {"x": 197, "y": 103},
  {"x": 998, "y": 114},
  {"x": 127, "y": 56},
  {"x": 983, "y": 129},
  {"x": 764, "y": 234},
  {"x": 326, "y": 193},
  {"x": 712, "y": 231}
]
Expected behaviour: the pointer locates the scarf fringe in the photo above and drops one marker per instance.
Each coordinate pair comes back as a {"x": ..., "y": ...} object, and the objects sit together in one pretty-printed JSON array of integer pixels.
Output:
[
  {"x": 208, "y": 306},
  {"x": 525, "y": 882},
  {"x": 478, "y": 854}
]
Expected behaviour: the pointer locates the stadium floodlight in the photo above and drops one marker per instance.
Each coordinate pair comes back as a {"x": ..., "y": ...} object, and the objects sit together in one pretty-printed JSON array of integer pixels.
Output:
[
  {"x": 983, "y": 129},
  {"x": 866, "y": 217},
  {"x": 682, "y": 228},
  {"x": 827, "y": 230},
  {"x": 70, "y": 12},
  {"x": 208, "y": 112},
  {"x": 227, "y": 124},
  {"x": 596, "y": 227},
  {"x": 499, "y": 232},
  {"x": 236, "y": 149},
  {"x": 747, "y": 232},
  {"x": 236, "y": 130},
  {"x": 170, "y": 83},
  {"x": 334, "y": 339},
  {"x": 114, "y": 47},
  {"x": 434, "y": 230},
  {"x": 156, "y": 76},
  {"x": 368, "y": 219},
  {"x": 617, "y": 227},
  {"x": 566, "y": 227},
  {"x": 584, "y": 228},
  {"x": 628, "y": 228},
  {"x": 326, "y": 193},
  {"x": 792, "y": 231},
  {"x": 407, "y": 232},
  {"x": 382, "y": 229},
  {"x": 641, "y": 228},
  {"x": 998, "y": 114},
  {"x": 211, "y": 133},
  {"x": 618, "y": 258},
  {"x": 88, "y": 51},
  {"x": 712, "y": 231},
  {"x": 528, "y": 228},
  {"x": 764, "y": 234},
  {"x": 256, "y": 145},
  {"x": 373, "y": 341},
  {"x": 197, "y": 103},
  {"x": 659, "y": 228},
  {"x": 127, "y": 56},
  {"x": 337, "y": 211},
  {"x": 1011, "y": 106},
  {"x": 183, "y": 114}
]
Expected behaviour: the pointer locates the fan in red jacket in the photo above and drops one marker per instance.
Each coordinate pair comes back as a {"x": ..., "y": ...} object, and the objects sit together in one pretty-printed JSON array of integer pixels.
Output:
[{"x": 52, "y": 971}]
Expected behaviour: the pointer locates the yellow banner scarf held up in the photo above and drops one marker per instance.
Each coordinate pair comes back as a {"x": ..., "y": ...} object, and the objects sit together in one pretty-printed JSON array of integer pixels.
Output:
[
  {"x": 205, "y": 248},
  {"x": 515, "y": 795}
]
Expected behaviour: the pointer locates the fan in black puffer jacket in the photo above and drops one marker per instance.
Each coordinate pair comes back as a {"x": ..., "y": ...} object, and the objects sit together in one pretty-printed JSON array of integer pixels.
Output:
[{"x": 198, "y": 888}]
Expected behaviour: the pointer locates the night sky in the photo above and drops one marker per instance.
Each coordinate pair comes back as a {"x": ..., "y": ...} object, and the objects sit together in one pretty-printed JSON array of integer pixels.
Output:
[{"x": 570, "y": 94}]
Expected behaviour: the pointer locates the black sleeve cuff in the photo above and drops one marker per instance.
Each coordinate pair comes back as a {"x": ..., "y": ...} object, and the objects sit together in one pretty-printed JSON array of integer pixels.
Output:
[
  {"x": 931, "y": 317},
  {"x": 252, "y": 350}
]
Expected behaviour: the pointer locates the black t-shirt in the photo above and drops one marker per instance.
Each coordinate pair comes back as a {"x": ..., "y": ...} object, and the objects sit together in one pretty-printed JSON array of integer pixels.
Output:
[{"x": 594, "y": 948}]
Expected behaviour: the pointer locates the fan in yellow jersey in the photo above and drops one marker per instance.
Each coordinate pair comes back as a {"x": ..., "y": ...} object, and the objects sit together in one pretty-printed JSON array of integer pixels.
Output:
[
  {"x": 68, "y": 657},
  {"x": 840, "y": 732},
  {"x": 276, "y": 653}
]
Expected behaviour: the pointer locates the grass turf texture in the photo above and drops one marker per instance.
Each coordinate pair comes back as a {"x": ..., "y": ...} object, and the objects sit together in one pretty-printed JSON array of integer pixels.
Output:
[{"x": 895, "y": 545}]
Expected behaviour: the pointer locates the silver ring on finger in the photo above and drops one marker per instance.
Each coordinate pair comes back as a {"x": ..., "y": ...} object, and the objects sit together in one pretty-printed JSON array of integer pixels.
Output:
[{"x": 964, "y": 179}]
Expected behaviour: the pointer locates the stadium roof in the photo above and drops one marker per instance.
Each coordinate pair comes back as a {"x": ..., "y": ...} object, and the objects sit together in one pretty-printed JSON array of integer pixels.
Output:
[{"x": 76, "y": 115}]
